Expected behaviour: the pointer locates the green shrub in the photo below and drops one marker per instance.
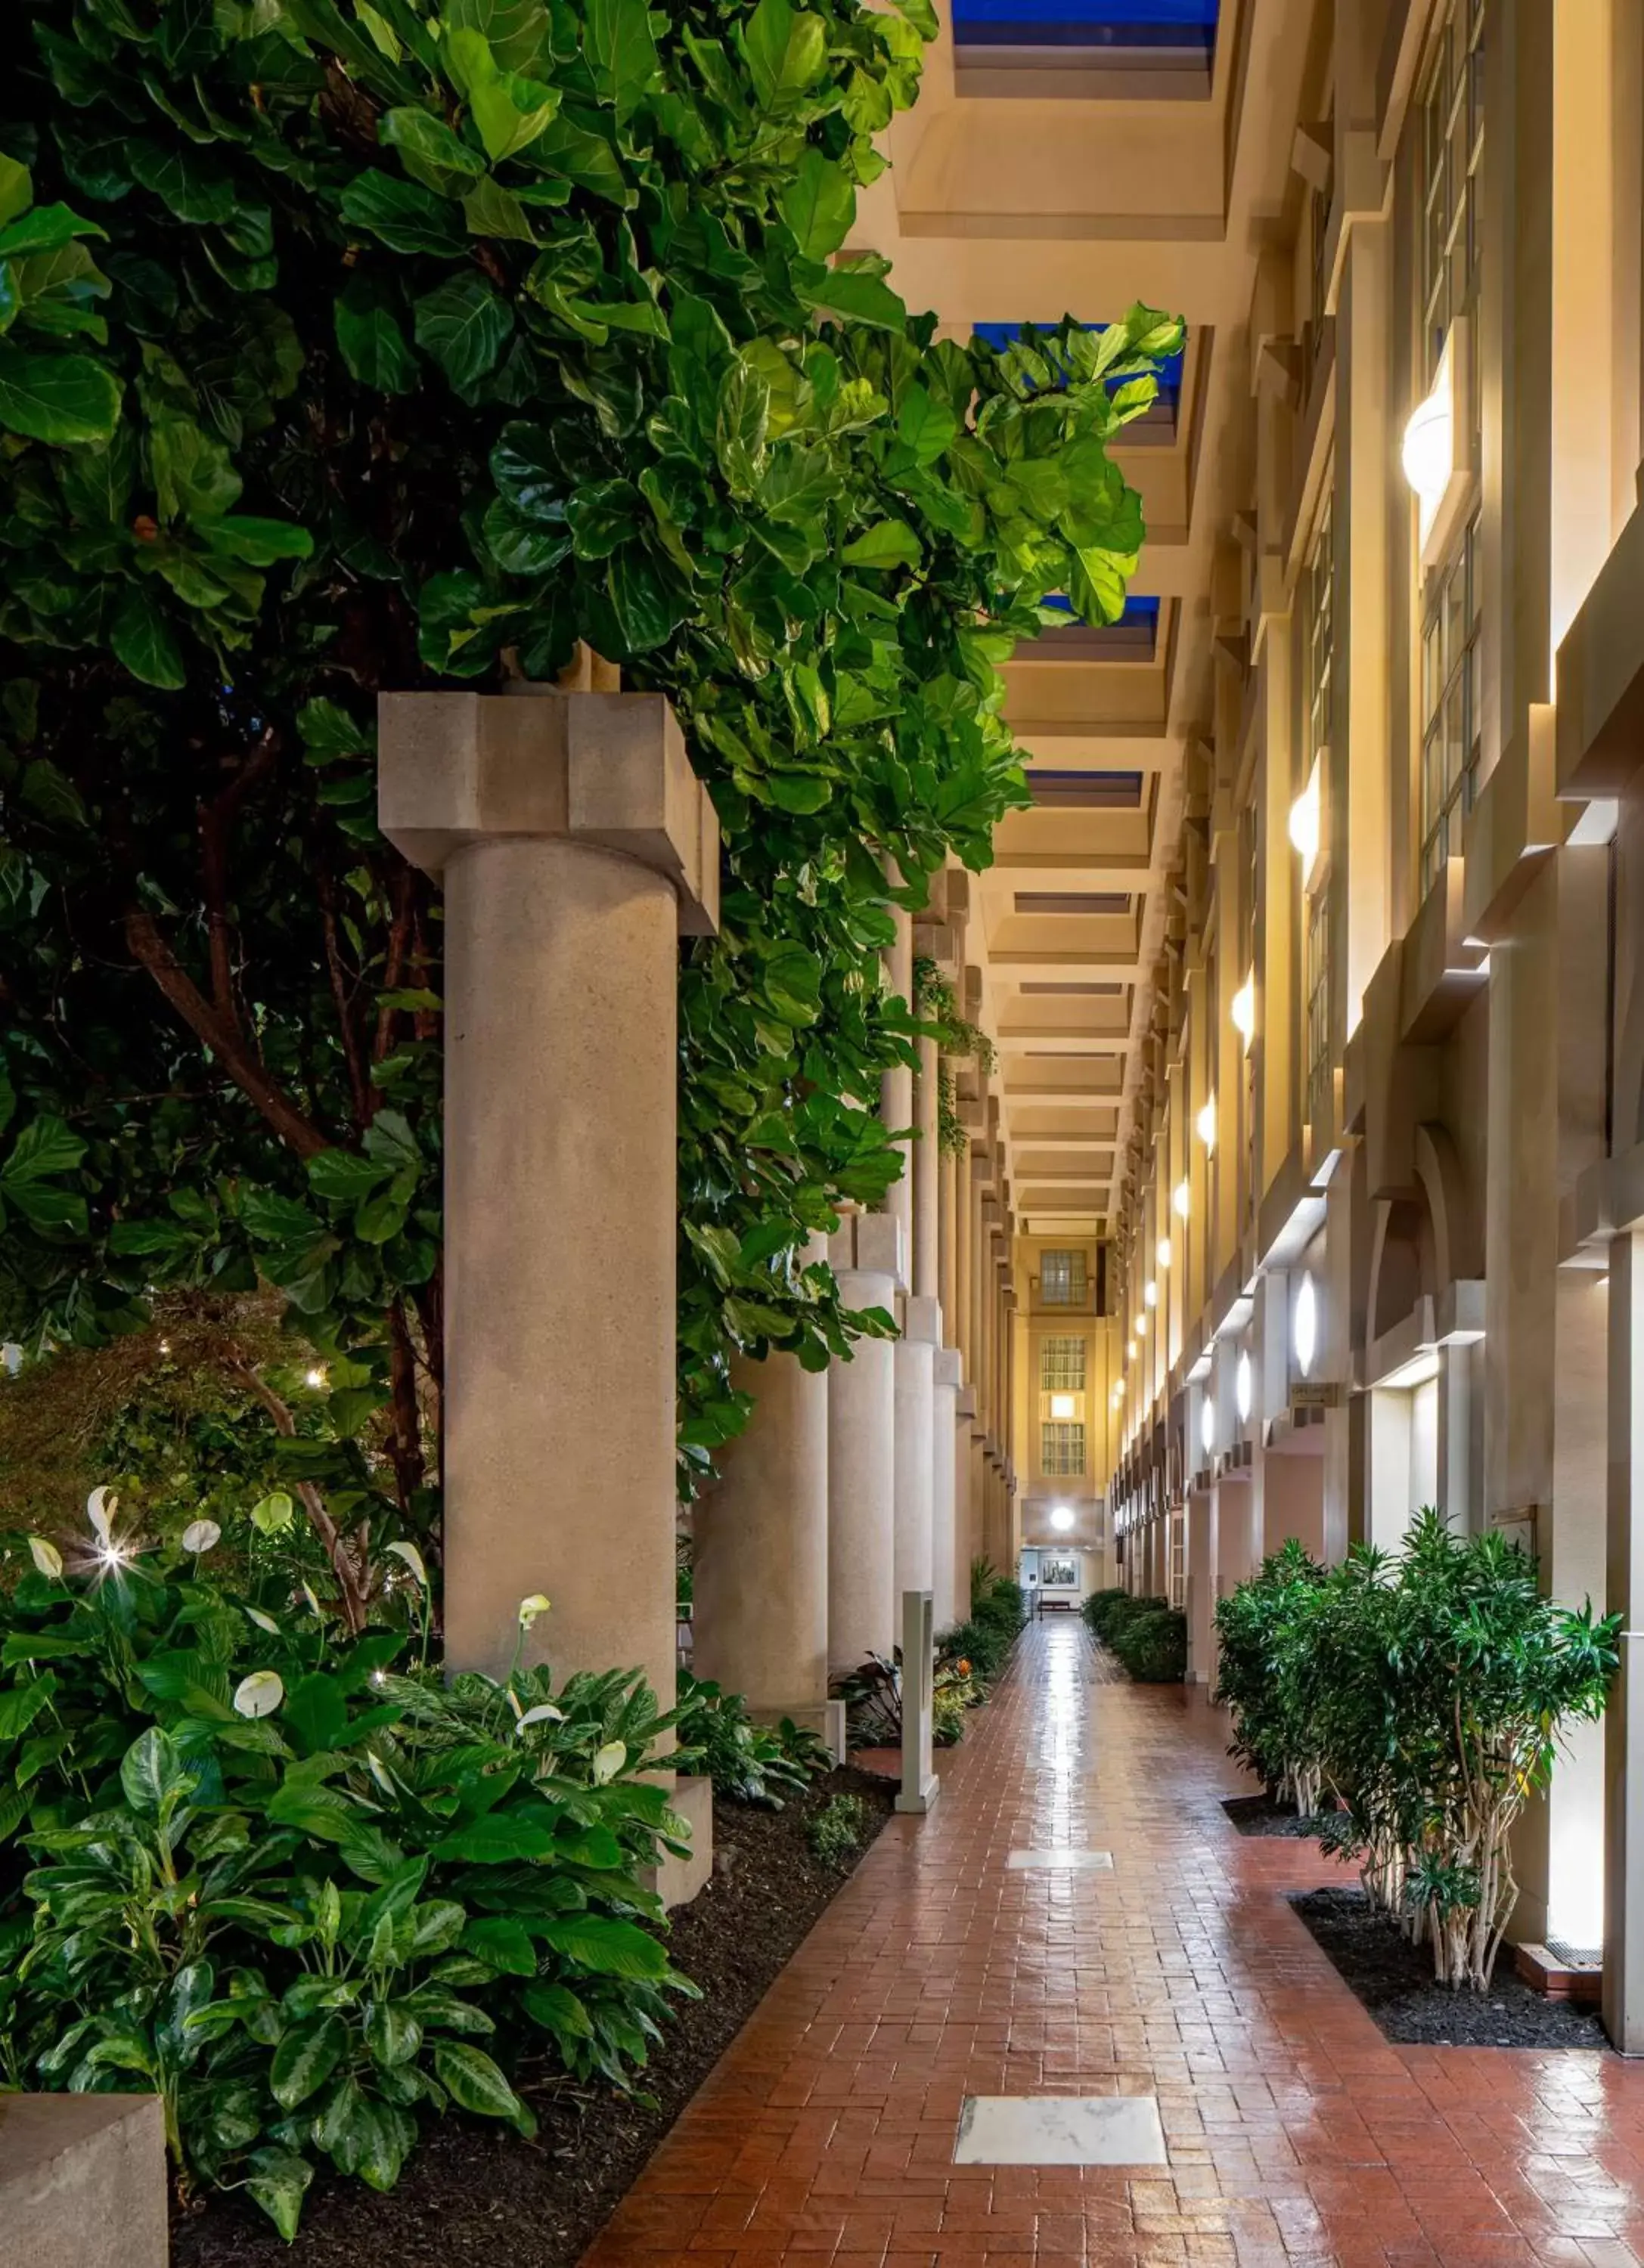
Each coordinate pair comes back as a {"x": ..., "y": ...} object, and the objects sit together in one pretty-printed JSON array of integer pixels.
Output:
[
  {"x": 249, "y": 1863},
  {"x": 837, "y": 1830},
  {"x": 1152, "y": 1642},
  {"x": 1100, "y": 1605},
  {"x": 1428, "y": 1691},
  {"x": 751, "y": 1763}
]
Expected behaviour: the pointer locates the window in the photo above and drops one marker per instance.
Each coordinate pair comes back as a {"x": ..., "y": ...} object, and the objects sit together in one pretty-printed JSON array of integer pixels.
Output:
[
  {"x": 1062, "y": 1367},
  {"x": 1063, "y": 1282},
  {"x": 1317, "y": 1034},
  {"x": 1450, "y": 704},
  {"x": 1452, "y": 142},
  {"x": 1061, "y": 1450},
  {"x": 1319, "y": 660}
]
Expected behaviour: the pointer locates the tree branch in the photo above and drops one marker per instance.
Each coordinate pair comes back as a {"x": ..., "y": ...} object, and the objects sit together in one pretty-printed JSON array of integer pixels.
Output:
[
  {"x": 366, "y": 1098},
  {"x": 216, "y": 819},
  {"x": 149, "y": 949}
]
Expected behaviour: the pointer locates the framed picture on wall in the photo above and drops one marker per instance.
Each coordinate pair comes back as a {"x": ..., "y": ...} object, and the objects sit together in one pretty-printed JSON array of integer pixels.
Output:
[{"x": 1058, "y": 1572}]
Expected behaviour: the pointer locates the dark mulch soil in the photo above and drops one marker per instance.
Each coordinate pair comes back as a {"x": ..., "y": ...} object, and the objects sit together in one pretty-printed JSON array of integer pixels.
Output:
[
  {"x": 1259, "y": 1815},
  {"x": 476, "y": 2195},
  {"x": 1393, "y": 1980}
]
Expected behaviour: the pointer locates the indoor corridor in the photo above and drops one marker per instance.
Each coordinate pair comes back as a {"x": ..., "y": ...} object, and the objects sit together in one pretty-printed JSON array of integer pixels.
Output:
[{"x": 958, "y": 1964}]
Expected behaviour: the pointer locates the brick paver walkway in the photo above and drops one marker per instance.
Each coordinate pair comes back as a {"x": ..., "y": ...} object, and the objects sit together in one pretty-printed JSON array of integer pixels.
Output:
[{"x": 824, "y": 2138}]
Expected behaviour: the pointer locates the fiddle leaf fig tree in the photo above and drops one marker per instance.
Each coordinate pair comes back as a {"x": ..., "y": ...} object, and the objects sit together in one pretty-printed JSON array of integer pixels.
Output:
[{"x": 351, "y": 347}]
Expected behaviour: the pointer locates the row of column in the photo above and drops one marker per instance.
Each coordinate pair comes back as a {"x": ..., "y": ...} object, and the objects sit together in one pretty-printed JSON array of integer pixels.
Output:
[{"x": 885, "y": 1473}]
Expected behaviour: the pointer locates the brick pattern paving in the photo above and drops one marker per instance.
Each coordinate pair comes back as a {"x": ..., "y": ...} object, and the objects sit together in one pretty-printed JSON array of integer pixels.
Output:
[{"x": 1296, "y": 2135}]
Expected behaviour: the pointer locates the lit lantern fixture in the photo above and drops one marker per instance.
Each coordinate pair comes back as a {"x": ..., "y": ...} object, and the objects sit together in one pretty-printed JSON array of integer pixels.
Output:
[
  {"x": 1150, "y": 1294},
  {"x": 1182, "y": 1200},
  {"x": 1241, "y": 1386},
  {"x": 1062, "y": 1518},
  {"x": 1306, "y": 825},
  {"x": 316, "y": 1377},
  {"x": 1165, "y": 1255},
  {"x": 1304, "y": 1326},
  {"x": 1427, "y": 452},
  {"x": 1118, "y": 1390},
  {"x": 1207, "y": 1426},
  {"x": 1205, "y": 1125},
  {"x": 1061, "y": 1405},
  {"x": 1242, "y": 1008}
]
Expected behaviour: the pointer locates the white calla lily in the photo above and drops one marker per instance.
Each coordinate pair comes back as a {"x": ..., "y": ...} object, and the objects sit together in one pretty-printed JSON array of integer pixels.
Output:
[
  {"x": 413, "y": 1559},
  {"x": 263, "y": 1622},
  {"x": 261, "y": 1694},
  {"x": 202, "y": 1536},
  {"x": 538, "y": 1604},
  {"x": 45, "y": 1555},
  {"x": 544, "y": 1713},
  {"x": 308, "y": 1593},
  {"x": 100, "y": 1507},
  {"x": 607, "y": 1762}
]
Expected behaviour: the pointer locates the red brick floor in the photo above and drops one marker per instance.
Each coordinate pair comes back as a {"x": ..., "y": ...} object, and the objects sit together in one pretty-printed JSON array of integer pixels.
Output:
[{"x": 1296, "y": 2134}]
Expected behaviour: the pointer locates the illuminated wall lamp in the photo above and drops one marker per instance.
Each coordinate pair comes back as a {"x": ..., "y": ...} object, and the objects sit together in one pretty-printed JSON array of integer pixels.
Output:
[
  {"x": 1207, "y": 1426},
  {"x": 1242, "y": 1008},
  {"x": 1428, "y": 452},
  {"x": 1182, "y": 1200},
  {"x": 1306, "y": 824},
  {"x": 1205, "y": 1125},
  {"x": 1243, "y": 1386},
  {"x": 1062, "y": 1405},
  {"x": 1164, "y": 1252},
  {"x": 1304, "y": 1326},
  {"x": 1150, "y": 1294}
]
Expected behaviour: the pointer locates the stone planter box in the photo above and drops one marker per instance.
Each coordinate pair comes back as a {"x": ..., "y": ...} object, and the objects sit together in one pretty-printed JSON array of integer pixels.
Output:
[{"x": 83, "y": 2180}]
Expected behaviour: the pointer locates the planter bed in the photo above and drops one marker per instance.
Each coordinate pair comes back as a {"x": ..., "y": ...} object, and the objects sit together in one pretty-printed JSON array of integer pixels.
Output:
[
  {"x": 476, "y": 2195},
  {"x": 1259, "y": 1815},
  {"x": 1393, "y": 1981}
]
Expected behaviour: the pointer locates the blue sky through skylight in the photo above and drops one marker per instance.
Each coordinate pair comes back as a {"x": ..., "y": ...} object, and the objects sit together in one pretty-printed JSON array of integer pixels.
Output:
[{"x": 1167, "y": 24}]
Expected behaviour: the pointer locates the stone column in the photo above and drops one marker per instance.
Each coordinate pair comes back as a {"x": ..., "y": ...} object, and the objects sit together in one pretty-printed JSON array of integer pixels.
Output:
[
  {"x": 926, "y": 1179},
  {"x": 915, "y": 1359},
  {"x": 760, "y": 1614},
  {"x": 868, "y": 1256},
  {"x": 948, "y": 1243},
  {"x": 1624, "y": 1719},
  {"x": 948, "y": 1559},
  {"x": 895, "y": 1091},
  {"x": 958, "y": 1318},
  {"x": 575, "y": 844}
]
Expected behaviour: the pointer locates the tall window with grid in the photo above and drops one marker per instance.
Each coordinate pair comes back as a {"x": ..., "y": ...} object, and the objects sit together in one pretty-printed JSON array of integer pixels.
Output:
[
  {"x": 1450, "y": 703},
  {"x": 1452, "y": 145},
  {"x": 1061, "y": 1451},
  {"x": 1061, "y": 1365},
  {"x": 1317, "y": 685},
  {"x": 1064, "y": 1280},
  {"x": 1316, "y": 1036}
]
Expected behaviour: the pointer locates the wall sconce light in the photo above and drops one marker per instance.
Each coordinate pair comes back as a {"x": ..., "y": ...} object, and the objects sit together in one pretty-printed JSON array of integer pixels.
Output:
[
  {"x": 1207, "y": 1426},
  {"x": 1164, "y": 1252},
  {"x": 1150, "y": 1294},
  {"x": 1243, "y": 1385},
  {"x": 1306, "y": 827},
  {"x": 1435, "y": 469},
  {"x": 1182, "y": 1200},
  {"x": 1304, "y": 1326},
  {"x": 1205, "y": 1125},
  {"x": 1242, "y": 1008}
]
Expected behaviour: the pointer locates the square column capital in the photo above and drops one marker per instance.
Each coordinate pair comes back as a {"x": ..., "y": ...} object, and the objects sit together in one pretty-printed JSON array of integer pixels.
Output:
[
  {"x": 608, "y": 769},
  {"x": 948, "y": 1370},
  {"x": 870, "y": 1244}
]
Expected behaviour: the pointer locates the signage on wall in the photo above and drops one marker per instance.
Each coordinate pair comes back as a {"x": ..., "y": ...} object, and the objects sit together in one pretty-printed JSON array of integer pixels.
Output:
[{"x": 1315, "y": 1393}]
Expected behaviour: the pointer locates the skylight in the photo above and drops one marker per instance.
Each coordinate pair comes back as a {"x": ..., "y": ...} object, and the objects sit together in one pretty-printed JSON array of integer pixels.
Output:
[
  {"x": 1133, "y": 24},
  {"x": 999, "y": 336}
]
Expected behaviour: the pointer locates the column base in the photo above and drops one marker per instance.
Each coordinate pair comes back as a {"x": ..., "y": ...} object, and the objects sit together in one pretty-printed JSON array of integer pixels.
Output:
[
  {"x": 924, "y": 1800},
  {"x": 825, "y": 1718},
  {"x": 677, "y": 1881}
]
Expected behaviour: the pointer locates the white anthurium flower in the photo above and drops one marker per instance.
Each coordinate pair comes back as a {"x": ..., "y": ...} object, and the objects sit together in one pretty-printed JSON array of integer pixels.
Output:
[
  {"x": 308, "y": 1593},
  {"x": 45, "y": 1555},
  {"x": 202, "y": 1536},
  {"x": 544, "y": 1713},
  {"x": 537, "y": 1604},
  {"x": 100, "y": 1507},
  {"x": 261, "y": 1694},
  {"x": 413, "y": 1559},
  {"x": 607, "y": 1762},
  {"x": 263, "y": 1622}
]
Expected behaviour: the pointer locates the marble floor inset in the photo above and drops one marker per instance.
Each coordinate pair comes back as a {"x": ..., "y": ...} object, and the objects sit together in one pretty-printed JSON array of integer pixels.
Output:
[{"x": 1059, "y": 2130}]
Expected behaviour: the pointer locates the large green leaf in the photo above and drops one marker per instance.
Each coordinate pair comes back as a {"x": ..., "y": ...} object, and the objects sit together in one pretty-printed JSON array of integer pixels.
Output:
[
  {"x": 464, "y": 325},
  {"x": 819, "y": 205},
  {"x": 155, "y": 1776},
  {"x": 143, "y": 639},
  {"x": 608, "y": 1948},
  {"x": 621, "y": 50},
  {"x": 305, "y": 2059},
  {"x": 406, "y": 216},
  {"x": 786, "y": 50},
  {"x": 62, "y": 399},
  {"x": 473, "y": 2082}
]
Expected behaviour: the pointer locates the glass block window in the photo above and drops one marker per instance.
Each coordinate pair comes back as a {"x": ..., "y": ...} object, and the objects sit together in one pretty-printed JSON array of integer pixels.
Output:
[
  {"x": 1452, "y": 143},
  {"x": 1061, "y": 1365},
  {"x": 1450, "y": 704},
  {"x": 1061, "y": 1450},
  {"x": 1063, "y": 1281}
]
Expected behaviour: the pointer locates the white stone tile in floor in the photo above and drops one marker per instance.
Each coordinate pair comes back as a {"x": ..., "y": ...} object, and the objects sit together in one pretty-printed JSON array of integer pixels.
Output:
[
  {"x": 1056, "y": 1855},
  {"x": 1040, "y": 2130}
]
